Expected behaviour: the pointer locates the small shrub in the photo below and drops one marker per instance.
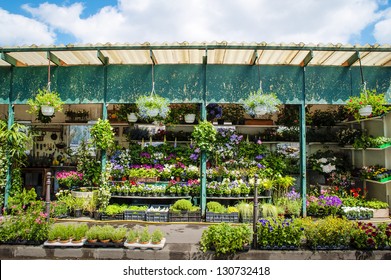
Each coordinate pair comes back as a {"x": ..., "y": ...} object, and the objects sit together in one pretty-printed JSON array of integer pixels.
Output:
[
  {"x": 214, "y": 206},
  {"x": 132, "y": 235},
  {"x": 182, "y": 205}
]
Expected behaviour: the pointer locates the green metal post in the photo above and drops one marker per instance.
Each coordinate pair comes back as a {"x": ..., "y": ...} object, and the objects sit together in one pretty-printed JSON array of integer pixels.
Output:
[
  {"x": 104, "y": 114},
  {"x": 303, "y": 153},
  {"x": 203, "y": 153},
  {"x": 10, "y": 123}
]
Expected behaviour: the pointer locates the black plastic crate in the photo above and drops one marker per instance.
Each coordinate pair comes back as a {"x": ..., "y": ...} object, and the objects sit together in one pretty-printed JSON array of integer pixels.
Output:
[
  {"x": 105, "y": 217},
  {"x": 222, "y": 217},
  {"x": 180, "y": 216},
  {"x": 155, "y": 216},
  {"x": 194, "y": 216},
  {"x": 136, "y": 215}
]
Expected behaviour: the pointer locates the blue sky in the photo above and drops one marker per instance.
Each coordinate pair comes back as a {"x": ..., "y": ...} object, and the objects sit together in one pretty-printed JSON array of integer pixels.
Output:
[{"x": 26, "y": 22}]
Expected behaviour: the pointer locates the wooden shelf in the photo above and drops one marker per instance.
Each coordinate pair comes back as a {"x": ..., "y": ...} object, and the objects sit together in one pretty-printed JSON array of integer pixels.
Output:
[{"x": 378, "y": 119}]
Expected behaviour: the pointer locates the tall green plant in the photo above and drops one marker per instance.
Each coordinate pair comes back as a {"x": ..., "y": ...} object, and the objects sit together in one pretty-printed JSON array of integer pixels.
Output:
[
  {"x": 204, "y": 135},
  {"x": 102, "y": 134}
]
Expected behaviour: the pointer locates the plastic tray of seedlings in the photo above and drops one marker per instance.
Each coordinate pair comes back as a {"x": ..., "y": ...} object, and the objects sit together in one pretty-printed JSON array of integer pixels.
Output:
[
  {"x": 68, "y": 244},
  {"x": 146, "y": 246},
  {"x": 99, "y": 244}
]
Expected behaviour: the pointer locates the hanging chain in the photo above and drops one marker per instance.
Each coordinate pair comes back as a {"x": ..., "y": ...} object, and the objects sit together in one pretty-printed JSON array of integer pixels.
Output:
[
  {"x": 48, "y": 86},
  {"x": 260, "y": 81}
]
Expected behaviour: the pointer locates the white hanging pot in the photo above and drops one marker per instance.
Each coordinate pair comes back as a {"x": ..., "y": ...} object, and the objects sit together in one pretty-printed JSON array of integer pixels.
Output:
[
  {"x": 365, "y": 111},
  {"x": 190, "y": 118},
  {"x": 47, "y": 111},
  {"x": 132, "y": 117},
  {"x": 153, "y": 112},
  {"x": 260, "y": 110}
]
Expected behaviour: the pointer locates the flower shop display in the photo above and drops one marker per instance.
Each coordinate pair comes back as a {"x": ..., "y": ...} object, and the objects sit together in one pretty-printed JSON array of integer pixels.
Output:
[
  {"x": 128, "y": 112},
  {"x": 233, "y": 113},
  {"x": 323, "y": 205},
  {"x": 45, "y": 104},
  {"x": 226, "y": 239},
  {"x": 153, "y": 107},
  {"x": 135, "y": 212},
  {"x": 77, "y": 116},
  {"x": 368, "y": 104},
  {"x": 66, "y": 235},
  {"x": 259, "y": 103},
  {"x": 279, "y": 234}
]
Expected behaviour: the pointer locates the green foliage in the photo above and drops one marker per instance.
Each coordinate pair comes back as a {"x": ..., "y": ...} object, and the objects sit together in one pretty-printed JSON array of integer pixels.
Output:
[
  {"x": 369, "y": 236},
  {"x": 157, "y": 236},
  {"x": 182, "y": 204},
  {"x": 225, "y": 239},
  {"x": 144, "y": 236},
  {"x": 245, "y": 210},
  {"x": 214, "y": 206},
  {"x": 93, "y": 232},
  {"x": 79, "y": 231},
  {"x": 204, "y": 135},
  {"x": 21, "y": 200},
  {"x": 113, "y": 209},
  {"x": 132, "y": 235},
  {"x": 269, "y": 100},
  {"x": 269, "y": 210},
  {"x": 375, "y": 204},
  {"x": 118, "y": 234},
  {"x": 105, "y": 232},
  {"x": 102, "y": 134}
]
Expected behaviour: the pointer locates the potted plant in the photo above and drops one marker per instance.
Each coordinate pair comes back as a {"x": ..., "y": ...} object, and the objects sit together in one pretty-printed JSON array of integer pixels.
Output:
[
  {"x": 204, "y": 135},
  {"x": 69, "y": 179},
  {"x": 234, "y": 113},
  {"x": 152, "y": 107},
  {"x": 45, "y": 104},
  {"x": 144, "y": 236},
  {"x": 368, "y": 103},
  {"x": 102, "y": 134},
  {"x": 213, "y": 111},
  {"x": 132, "y": 236},
  {"x": 157, "y": 236},
  {"x": 259, "y": 103},
  {"x": 128, "y": 112}
]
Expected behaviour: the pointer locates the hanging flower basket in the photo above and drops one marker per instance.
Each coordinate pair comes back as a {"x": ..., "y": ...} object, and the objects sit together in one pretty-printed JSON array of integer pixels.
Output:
[
  {"x": 45, "y": 104},
  {"x": 258, "y": 103},
  {"x": 153, "y": 107},
  {"x": 368, "y": 104}
]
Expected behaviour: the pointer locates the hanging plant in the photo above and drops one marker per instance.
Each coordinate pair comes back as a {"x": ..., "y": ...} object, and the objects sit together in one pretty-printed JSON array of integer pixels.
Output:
[
  {"x": 368, "y": 104},
  {"x": 102, "y": 134},
  {"x": 259, "y": 103},
  {"x": 45, "y": 104},
  {"x": 204, "y": 135},
  {"x": 153, "y": 107}
]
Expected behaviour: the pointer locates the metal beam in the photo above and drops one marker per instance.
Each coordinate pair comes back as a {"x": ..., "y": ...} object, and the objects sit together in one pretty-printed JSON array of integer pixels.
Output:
[
  {"x": 307, "y": 59},
  {"x": 153, "y": 57},
  {"x": 53, "y": 58},
  {"x": 102, "y": 58},
  {"x": 254, "y": 58},
  {"x": 352, "y": 59},
  {"x": 11, "y": 60},
  {"x": 201, "y": 47}
]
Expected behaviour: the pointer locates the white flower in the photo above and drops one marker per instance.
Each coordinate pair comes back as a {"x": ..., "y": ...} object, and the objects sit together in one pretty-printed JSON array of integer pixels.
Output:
[
  {"x": 328, "y": 168},
  {"x": 322, "y": 160}
]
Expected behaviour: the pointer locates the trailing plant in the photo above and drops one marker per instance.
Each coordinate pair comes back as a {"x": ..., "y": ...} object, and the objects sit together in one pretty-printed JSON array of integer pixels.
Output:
[
  {"x": 256, "y": 99},
  {"x": 204, "y": 135},
  {"x": 47, "y": 98},
  {"x": 146, "y": 104},
  {"x": 102, "y": 134}
]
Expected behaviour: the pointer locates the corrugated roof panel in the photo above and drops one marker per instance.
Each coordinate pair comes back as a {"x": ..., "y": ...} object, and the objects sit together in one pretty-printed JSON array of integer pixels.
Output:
[
  {"x": 238, "y": 56},
  {"x": 3, "y": 63},
  {"x": 338, "y": 58},
  {"x": 78, "y": 57},
  {"x": 299, "y": 57},
  {"x": 128, "y": 56},
  {"x": 269, "y": 57},
  {"x": 376, "y": 59},
  {"x": 31, "y": 58},
  {"x": 320, "y": 57}
]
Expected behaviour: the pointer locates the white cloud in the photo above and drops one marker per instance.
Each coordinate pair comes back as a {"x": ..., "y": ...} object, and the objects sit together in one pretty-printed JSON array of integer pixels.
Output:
[
  {"x": 20, "y": 30},
  {"x": 382, "y": 30},
  {"x": 131, "y": 21}
]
